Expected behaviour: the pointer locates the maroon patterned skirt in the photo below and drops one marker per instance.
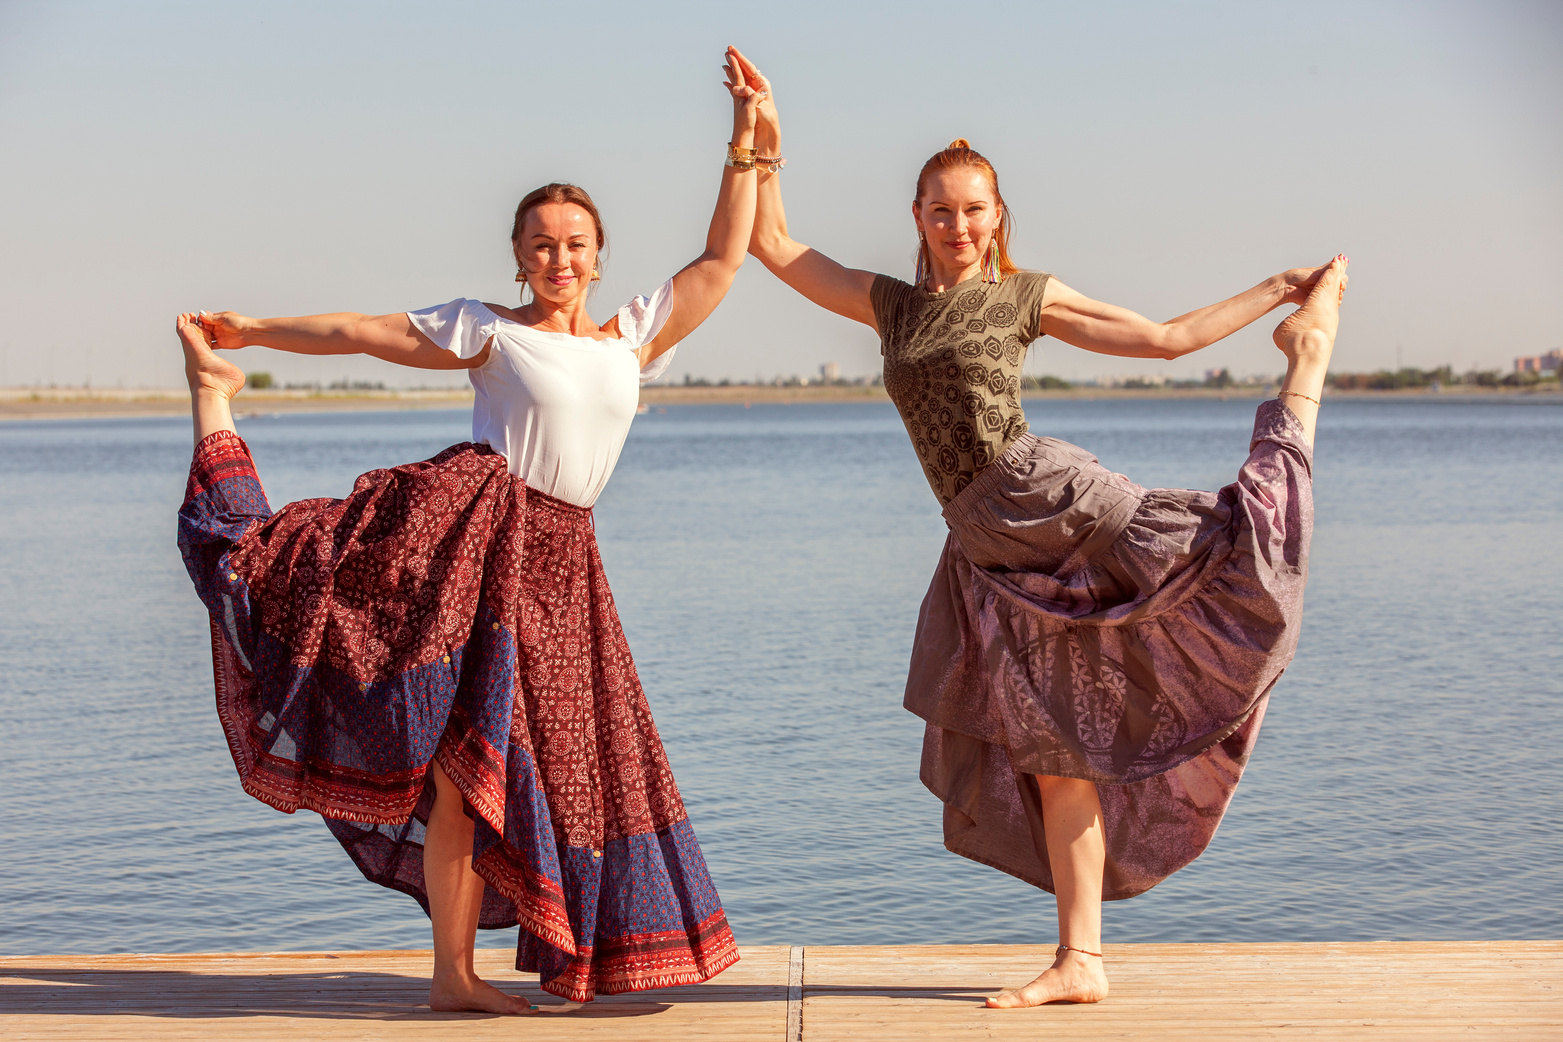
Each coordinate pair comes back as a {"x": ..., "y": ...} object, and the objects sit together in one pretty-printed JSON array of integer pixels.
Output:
[
  {"x": 444, "y": 611},
  {"x": 1081, "y": 626}
]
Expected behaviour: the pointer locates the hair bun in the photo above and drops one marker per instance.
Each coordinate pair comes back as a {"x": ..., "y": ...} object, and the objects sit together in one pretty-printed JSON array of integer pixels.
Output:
[{"x": 960, "y": 142}]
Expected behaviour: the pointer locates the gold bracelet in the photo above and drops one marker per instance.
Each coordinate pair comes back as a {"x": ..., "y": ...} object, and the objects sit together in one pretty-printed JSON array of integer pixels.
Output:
[
  {"x": 1299, "y": 394},
  {"x": 740, "y": 158}
]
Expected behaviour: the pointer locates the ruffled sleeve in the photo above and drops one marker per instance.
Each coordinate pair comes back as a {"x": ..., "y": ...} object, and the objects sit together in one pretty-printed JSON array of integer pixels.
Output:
[
  {"x": 462, "y": 326},
  {"x": 639, "y": 323}
]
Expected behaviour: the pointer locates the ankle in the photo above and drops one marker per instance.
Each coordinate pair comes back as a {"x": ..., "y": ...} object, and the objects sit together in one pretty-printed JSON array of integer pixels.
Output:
[{"x": 1066, "y": 954}]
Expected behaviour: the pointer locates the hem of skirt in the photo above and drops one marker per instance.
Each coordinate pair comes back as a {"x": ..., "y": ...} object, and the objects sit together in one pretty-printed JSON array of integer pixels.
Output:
[
  {"x": 324, "y": 808},
  {"x": 724, "y": 957},
  {"x": 1206, "y": 743}
]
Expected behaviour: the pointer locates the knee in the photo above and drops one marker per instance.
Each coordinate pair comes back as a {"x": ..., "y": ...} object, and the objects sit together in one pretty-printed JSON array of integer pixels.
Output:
[
  {"x": 449, "y": 803},
  {"x": 1069, "y": 789}
]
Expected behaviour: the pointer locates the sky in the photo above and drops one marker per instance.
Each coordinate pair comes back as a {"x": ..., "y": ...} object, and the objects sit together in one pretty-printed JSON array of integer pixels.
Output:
[{"x": 294, "y": 158}]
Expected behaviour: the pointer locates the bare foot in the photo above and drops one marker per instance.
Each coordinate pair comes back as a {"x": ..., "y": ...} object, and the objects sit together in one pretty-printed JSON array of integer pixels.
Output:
[
  {"x": 1309, "y": 332},
  {"x": 468, "y": 994},
  {"x": 1073, "y": 977},
  {"x": 203, "y": 369}
]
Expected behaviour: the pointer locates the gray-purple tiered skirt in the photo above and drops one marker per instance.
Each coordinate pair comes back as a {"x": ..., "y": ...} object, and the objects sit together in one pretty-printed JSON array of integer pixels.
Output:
[{"x": 1081, "y": 626}]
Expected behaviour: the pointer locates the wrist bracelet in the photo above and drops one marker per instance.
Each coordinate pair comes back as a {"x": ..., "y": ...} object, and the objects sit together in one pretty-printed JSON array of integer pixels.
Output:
[
  {"x": 739, "y": 157},
  {"x": 774, "y": 164}
]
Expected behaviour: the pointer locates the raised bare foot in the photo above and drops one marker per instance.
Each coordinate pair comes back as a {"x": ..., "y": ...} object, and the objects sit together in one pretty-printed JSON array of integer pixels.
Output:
[
  {"x": 204, "y": 370},
  {"x": 1073, "y": 977},
  {"x": 468, "y": 994},
  {"x": 1308, "y": 334}
]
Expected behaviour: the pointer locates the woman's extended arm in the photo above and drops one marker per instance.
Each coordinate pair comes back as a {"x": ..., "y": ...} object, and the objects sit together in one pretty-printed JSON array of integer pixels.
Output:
[
  {"x": 391, "y": 337},
  {"x": 832, "y": 286},
  {"x": 702, "y": 284},
  {"x": 1077, "y": 319}
]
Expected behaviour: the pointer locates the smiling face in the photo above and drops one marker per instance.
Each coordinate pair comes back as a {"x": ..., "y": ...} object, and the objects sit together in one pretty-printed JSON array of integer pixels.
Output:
[
  {"x": 557, "y": 250},
  {"x": 957, "y": 215}
]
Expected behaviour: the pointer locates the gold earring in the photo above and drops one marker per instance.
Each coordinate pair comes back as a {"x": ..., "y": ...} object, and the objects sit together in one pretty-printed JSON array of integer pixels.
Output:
[
  {"x": 595, "y": 276},
  {"x": 520, "y": 274}
]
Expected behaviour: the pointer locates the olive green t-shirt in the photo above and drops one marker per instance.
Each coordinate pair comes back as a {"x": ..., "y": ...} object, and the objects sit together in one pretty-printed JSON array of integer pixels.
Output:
[{"x": 952, "y": 367}]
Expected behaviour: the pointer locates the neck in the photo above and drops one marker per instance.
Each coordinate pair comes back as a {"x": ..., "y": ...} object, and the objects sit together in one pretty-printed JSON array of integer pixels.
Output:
[
  {"x": 555, "y": 317},
  {"x": 941, "y": 278}
]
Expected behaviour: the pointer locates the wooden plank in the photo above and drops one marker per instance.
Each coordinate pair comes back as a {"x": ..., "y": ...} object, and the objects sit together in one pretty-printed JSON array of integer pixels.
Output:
[
  {"x": 1199, "y": 993},
  {"x": 1196, "y": 992},
  {"x": 352, "y": 995}
]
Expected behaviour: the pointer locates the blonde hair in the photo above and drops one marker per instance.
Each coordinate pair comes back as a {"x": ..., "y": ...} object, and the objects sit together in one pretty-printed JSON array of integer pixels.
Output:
[{"x": 961, "y": 154}]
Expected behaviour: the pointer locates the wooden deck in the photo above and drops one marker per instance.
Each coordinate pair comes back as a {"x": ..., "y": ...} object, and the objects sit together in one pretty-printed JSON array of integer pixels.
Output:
[{"x": 1480, "y": 990}]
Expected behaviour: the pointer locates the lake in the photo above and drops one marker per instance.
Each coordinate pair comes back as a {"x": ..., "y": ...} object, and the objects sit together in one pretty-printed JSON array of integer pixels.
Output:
[{"x": 768, "y": 563}]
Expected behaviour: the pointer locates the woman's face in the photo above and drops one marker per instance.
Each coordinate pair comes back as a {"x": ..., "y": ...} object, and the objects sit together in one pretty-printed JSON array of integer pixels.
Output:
[
  {"x": 558, "y": 250},
  {"x": 957, "y": 215}
]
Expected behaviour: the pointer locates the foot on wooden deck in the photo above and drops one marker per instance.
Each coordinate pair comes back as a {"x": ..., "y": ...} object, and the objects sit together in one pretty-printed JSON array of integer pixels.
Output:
[
  {"x": 472, "y": 994},
  {"x": 1073, "y": 977}
]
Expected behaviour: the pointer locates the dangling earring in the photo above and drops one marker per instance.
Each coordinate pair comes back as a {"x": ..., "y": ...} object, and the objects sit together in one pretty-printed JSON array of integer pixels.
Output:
[
  {"x": 520, "y": 275},
  {"x": 990, "y": 262},
  {"x": 921, "y": 275},
  {"x": 596, "y": 277}
]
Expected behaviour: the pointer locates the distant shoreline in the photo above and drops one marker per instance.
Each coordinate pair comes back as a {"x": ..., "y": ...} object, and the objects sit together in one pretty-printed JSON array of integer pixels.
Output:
[{"x": 64, "y": 403}]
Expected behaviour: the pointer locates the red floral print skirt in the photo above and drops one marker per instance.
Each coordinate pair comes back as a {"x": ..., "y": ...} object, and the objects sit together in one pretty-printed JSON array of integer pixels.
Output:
[{"x": 445, "y": 611}]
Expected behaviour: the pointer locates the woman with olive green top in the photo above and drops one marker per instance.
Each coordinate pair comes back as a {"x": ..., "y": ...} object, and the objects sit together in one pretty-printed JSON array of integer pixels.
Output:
[{"x": 1093, "y": 658}]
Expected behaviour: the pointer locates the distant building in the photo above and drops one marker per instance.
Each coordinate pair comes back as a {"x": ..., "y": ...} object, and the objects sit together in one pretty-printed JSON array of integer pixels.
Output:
[
  {"x": 830, "y": 372},
  {"x": 1550, "y": 362}
]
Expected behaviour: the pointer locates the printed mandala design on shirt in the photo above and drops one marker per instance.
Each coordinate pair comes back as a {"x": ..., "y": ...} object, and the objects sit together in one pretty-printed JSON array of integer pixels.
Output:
[{"x": 963, "y": 349}]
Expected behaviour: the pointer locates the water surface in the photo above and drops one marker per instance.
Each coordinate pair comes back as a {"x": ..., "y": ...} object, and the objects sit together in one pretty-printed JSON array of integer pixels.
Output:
[{"x": 768, "y": 564}]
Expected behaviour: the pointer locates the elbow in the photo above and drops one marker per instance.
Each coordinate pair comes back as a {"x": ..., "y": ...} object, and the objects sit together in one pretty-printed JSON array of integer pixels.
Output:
[
  {"x": 766, "y": 245},
  {"x": 719, "y": 268},
  {"x": 725, "y": 265},
  {"x": 1169, "y": 342}
]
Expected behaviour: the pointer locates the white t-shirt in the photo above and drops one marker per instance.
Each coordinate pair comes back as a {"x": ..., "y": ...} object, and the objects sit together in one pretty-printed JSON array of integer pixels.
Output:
[{"x": 558, "y": 406}]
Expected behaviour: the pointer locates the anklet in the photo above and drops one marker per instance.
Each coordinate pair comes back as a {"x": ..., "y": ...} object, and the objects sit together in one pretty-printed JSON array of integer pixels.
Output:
[
  {"x": 1299, "y": 394},
  {"x": 1082, "y": 951}
]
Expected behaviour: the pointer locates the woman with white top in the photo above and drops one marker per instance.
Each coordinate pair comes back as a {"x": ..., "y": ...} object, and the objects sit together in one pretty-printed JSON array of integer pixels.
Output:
[{"x": 434, "y": 664}]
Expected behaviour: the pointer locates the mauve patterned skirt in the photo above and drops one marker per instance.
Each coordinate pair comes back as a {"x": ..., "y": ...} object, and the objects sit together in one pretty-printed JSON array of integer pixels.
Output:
[
  {"x": 1081, "y": 626},
  {"x": 444, "y": 611}
]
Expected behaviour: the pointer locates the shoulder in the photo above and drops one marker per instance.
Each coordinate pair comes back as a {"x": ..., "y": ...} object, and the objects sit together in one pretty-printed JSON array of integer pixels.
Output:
[
  {"x": 492, "y": 311},
  {"x": 890, "y": 295},
  {"x": 1027, "y": 291},
  {"x": 1029, "y": 285}
]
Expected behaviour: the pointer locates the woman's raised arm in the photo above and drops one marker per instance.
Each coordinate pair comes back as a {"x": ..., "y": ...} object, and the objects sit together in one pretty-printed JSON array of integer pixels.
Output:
[
  {"x": 1089, "y": 324},
  {"x": 833, "y": 286},
  {"x": 391, "y": 337},
  {"x": 702, "y": 284}
]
